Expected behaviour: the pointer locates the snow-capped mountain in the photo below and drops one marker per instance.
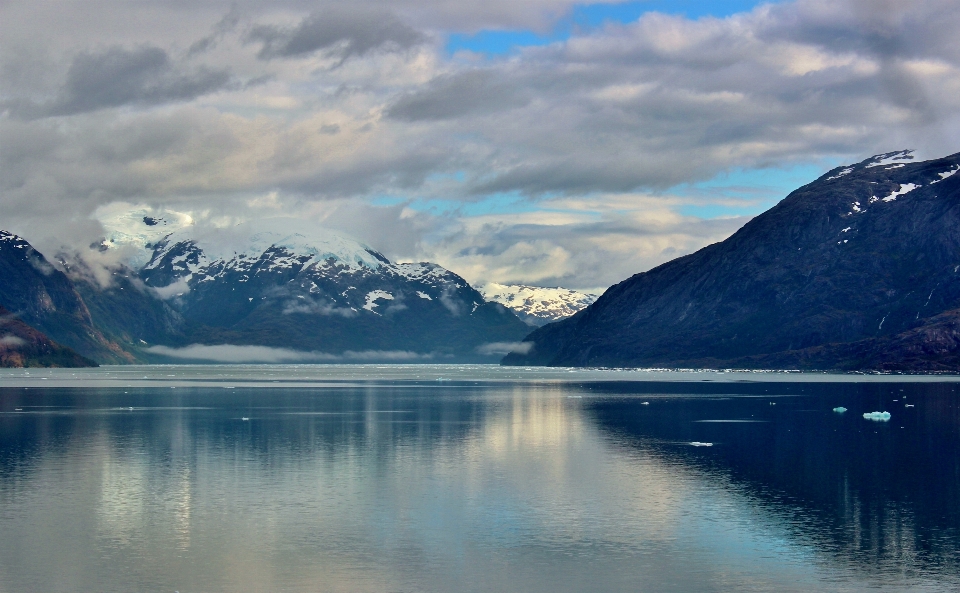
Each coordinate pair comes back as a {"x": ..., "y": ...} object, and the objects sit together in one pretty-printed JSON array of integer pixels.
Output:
[
  {"x": 537, "y": 305},
  {"x": 287, "y": 283}
]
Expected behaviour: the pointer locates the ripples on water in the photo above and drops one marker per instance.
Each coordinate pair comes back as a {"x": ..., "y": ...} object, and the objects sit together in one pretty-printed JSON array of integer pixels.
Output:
[{"x": 369, "y": 478}]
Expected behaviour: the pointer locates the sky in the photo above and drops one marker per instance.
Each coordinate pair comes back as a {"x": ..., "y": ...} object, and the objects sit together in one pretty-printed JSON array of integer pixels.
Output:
[{"x": 540, "y": 142}]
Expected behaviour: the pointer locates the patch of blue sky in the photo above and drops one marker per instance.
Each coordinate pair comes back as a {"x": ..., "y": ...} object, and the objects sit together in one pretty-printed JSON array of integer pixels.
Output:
[
  {"x": 388, "y": 200},
  {"x": 745, "y": 192},
  {"x": 585, "y": 17}
]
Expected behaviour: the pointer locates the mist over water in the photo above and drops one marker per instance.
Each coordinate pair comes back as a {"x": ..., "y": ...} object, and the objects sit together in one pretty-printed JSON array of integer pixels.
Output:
[{"x": 368, "y": 478}]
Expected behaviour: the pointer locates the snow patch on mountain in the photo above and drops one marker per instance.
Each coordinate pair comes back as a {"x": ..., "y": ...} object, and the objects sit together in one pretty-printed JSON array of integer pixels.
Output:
[
  {"x": 374, "y": 296},
  {"x": 846, "y": 171},
  {"x": 535, "y": 304},
  {"x": 904, "y": 189},
  {"x": 888, "y": 158},
  {"x": 291, "y": 243},
  {"x": 946, "y": 174},
  {"x": 237, "y": 246}
]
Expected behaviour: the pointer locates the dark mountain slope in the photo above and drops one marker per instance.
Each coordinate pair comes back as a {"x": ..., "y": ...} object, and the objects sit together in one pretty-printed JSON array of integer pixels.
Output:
[
  {"x": 126, "y": 310},
  {"x": 302, "y": 287},
  {"x": 23, "y": 346},
  {"x": 866, "y": 252},
  {"x": 44, "y": 298}
]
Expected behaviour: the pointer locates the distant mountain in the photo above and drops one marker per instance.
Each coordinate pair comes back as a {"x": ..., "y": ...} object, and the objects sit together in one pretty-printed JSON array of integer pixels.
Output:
[
  {"x": 307, "y": 292},
  {"x": 44, "y": 298},
  {"x": 536, "y": 305},
  {"x": 858, "y": 270},
  {"x": 286, "y": 284},
  {"x": 23, "y": 346}
]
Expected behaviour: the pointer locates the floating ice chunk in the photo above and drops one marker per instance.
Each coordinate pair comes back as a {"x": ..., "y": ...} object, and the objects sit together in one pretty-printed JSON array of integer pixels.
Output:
[
  {"x": 839, "y": 409},
  {"x": 423, "y": 295},
  {"x": 644, "y": 403},
  {"x": 884, "y": 416},
  {"x": 699, "y": 444}
]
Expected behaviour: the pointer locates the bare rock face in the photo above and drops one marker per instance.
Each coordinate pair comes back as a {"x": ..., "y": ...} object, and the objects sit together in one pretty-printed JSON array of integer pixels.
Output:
[
  {"x": 858, "y": 270},
  {"x": 23, "y": 346}
]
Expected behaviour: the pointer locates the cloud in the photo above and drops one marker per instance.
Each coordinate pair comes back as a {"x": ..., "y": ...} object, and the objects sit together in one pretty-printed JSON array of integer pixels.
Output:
[
  {"x": 12, "y": 342},
  {"x": 229, "y": 353},
  {"x": 174, "y": 289},
  {"x": 337, "y": 31},
  {"x": 117, "y": 76},
  {"x": 450, "y": 302},
  {"x": 582, "y": 243},
  {"x": 407, "y": 146},
  {"x": 310, "y": 307},
  {"x": 449, "y": 96},
  {"x": 503, "y": 348}
]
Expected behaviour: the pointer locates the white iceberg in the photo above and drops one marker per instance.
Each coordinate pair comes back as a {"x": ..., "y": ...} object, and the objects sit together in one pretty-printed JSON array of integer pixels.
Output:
[
  {"x": 877, "y": 416},
  {"x": 839, "y": 409}
]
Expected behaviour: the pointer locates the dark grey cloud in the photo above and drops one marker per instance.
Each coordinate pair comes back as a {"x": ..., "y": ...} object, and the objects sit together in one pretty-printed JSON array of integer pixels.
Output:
[
  {"x": 224, "y": 26},
  {"x": 627, "y": 108},
  {"x": 881, "y": 28},
  {"x": 473, "y": 92},
  {"x": 118, "y": 76},
  {"x": 340, "y": 32}
]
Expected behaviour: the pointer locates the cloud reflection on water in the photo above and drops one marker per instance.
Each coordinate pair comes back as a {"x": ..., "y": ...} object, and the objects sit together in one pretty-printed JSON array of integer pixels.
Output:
[{"x": 491, "y": 487}]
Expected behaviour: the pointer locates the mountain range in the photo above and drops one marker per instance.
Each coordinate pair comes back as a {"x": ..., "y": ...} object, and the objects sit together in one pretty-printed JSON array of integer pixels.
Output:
[
  {"x": 288, "y": 289},
  {"x": 858, "y": 270},
  {"x": 537, "y": 305}
]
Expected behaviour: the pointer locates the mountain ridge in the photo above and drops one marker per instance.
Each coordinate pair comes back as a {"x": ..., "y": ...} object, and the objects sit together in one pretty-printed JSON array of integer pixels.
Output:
[
  {"x": 22, "y": 346},
  {"x": 537, "y": 305},
  {"x": 866, "y": 251},
  {"x": 284, "y": 285}
]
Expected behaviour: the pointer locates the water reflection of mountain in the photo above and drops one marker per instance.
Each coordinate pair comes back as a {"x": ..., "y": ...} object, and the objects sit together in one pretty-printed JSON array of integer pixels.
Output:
[
  {"x": 281, "y": 423},
  {"x": 884, "y": 495},
  {"x": 414, "y": 485}
]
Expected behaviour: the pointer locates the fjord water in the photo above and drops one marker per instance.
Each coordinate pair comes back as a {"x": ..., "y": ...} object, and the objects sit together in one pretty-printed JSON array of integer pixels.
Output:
[{"x": 447, "y": 478}]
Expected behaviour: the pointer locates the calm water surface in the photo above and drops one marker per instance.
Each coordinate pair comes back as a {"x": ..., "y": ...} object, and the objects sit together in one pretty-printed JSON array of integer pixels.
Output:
[{"x": 473, "y": 478}]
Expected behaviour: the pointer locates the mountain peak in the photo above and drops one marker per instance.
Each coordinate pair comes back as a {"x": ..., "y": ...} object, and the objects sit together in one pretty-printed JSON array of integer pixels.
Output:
[
  {"x": 535, "y": 304},
  {"x": 864, "y": 257}
]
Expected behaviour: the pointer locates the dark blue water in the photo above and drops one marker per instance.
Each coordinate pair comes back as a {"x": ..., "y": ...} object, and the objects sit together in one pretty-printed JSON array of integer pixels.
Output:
[{"x": 368, "y": 479}]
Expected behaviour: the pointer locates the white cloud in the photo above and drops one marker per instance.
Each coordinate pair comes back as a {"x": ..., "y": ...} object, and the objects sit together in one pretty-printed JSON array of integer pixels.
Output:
[
  {"x": 11, "y": 342},
  {"x": 230, "y": 353},
  {"x": 204, "y": 124},
  {"x": 502, "y": 348}
]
